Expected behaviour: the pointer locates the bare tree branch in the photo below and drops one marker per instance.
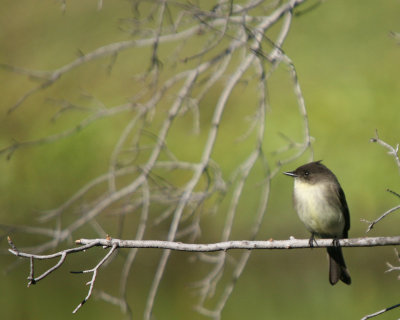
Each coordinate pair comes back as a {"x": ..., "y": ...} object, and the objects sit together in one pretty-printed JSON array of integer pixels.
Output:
[
  {"x": 393, "y": 151},
  {"x": 56, "y": 137},
  {"x": 372, "y": 315},
  {"x": 391, "y": 268},
  {"x": 115, "y": 244},
  {"x": 94, "y": 271},
  {"x": 109, "y": 242},
  {"x": 371, "y": 224},
  {"x": 235, "y": 45}
]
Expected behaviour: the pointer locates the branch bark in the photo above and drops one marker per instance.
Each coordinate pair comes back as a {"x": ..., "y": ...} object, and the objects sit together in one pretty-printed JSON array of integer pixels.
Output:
[{"x": 292, "y": 243}]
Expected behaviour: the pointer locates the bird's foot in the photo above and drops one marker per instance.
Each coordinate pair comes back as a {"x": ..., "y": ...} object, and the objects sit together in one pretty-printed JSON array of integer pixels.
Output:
[
  {"x": 312, "y": 241},
  {"x": 335, "y": 242}
]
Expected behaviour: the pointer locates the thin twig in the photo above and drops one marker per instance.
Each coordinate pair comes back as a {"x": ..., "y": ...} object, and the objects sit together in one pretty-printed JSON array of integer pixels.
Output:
[
  {"x": 92, "y": 281},
  {"x": 393, "y": 151},
  {"x": 371, "y": 224},
  {"x": 391, "y": 268},
  {"x": 380, "y": 312}
]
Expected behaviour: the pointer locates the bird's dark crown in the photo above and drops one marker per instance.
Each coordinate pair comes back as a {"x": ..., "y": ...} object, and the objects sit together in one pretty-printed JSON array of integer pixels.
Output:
[{"x": 312, "y": 172}]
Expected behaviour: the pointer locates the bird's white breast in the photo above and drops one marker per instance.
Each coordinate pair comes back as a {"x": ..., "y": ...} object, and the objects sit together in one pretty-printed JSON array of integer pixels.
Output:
[{"x": 318, "y": 214}]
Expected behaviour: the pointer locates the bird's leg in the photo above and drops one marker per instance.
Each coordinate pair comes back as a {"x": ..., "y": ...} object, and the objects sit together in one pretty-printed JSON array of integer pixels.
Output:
[
  {"x": 312, "y": 240},
  {"x": 335, "y": 242}
]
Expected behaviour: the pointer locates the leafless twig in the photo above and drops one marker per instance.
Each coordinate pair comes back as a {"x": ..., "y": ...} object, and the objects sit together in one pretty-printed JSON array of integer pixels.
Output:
[
  {"x": 380, "y": 312},
  {"x": 391, "y": 268},
  {"x": 371, "y": 224},
  {"x": 393, "y": 151},
  {"x": 94, "y": 271}
]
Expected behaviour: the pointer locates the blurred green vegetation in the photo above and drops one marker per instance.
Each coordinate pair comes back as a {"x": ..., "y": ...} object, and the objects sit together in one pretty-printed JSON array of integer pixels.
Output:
[{"x": 348, "y": 69}]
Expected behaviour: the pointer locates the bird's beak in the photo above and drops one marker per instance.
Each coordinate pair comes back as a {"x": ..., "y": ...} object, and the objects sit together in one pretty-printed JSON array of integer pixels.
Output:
[{"x": 291, "y": 173}]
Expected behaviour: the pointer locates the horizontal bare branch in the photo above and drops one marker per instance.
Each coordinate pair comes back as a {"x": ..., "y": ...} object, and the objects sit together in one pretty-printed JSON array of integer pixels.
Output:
[
  {"x": 292, "y": 243},
  {"x": 114, "y": 244}
]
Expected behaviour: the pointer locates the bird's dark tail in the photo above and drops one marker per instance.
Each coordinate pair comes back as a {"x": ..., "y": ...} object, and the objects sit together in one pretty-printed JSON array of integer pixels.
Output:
[{"x": 337, "y": 266}]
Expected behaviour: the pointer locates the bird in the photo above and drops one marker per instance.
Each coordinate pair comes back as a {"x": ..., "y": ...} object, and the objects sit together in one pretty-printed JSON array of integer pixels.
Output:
[{"x": 321, "y": 205}]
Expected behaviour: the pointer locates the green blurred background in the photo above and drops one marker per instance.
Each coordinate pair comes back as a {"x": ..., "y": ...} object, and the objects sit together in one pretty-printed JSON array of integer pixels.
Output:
[{"x": 348, "y": 68}]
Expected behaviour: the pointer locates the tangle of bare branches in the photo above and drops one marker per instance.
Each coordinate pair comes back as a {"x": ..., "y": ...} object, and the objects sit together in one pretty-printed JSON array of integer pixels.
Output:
[
  {"x": 392, "y": 151},
  {"x": 228, "y": 47}
]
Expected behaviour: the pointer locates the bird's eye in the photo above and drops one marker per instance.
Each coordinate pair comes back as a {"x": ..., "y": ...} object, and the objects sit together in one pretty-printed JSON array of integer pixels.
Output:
[{"x": 306, "y": 173}]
